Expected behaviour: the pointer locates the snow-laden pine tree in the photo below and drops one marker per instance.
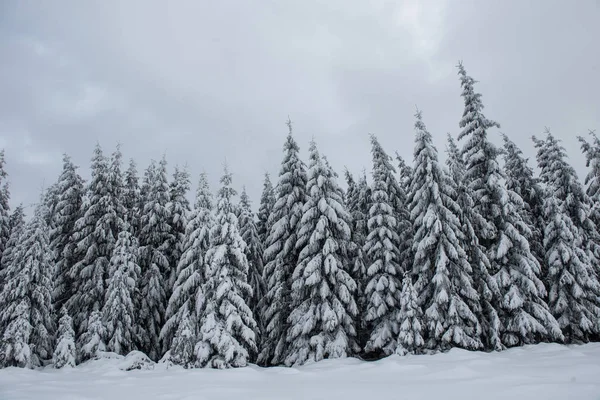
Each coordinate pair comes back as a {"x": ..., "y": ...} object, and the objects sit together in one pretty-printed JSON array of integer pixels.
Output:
[
  {"x": 16, "y": 226},
  {"x": 321, "y": 322},
  {"x": 410, "y": 337},
  {"x": 443, "y": 274},
  {"x": 187, "y": 291},
  {"x": 267, "y": 201},
  {"x": 523, "y": 313},
  {"x": 65, "y": 352},
  {"x": 483, "y": 282},
  {"x": 26, "y": 298},
  {"x": 226, "y": 337},
  {"x": 179, "y": 210},
  {"x": 95, "y": 235},
  {"x": 558, "y": 175},
  {"x": 253, "y": 250},
  {"x": 183, "y": 347},
  {"x": 405, "y": 173},
  {"x": 69, "y": 190},
  {"x": 119, "y": 315},
  {"x": 92, "y": 340},
  {"x": 574, "y": 291},
  {"x": 280, "y": 256},
  {"x": 155, "y": 237},
  {"x": 132, "y": 198},
  {"x": 4, "y": 206},
  {"x": 520, "y": 178},
  {"x": 383, "y": 280}
]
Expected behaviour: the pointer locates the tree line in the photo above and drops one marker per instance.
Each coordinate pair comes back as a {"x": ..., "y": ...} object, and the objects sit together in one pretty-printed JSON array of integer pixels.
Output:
[{"x": 479, "y": 253}]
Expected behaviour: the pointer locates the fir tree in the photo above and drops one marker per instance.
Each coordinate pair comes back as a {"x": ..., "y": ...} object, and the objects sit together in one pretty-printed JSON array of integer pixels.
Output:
[
  {"x": 92, "y": 340},
  {"x": 280, "y": 256},
  {"x": 118, "y": 314},
  {"x": 574, "y": 291},
  {"x": 155, "y": 238},
  {"x": 267, "y": 201},
  {"x": 227, "y": 327},
  {"x": 65, "y": 352},
  {"x": 16, "y": 226},
  {"x": 253, "y": 251},
  {"x": 406, "y": 173},
  {"x": 187, "y": 291},
  {"x": 382, "y": 290},
  {"x": 444, "y": 276},
  {"x": 523, "y": 313},
  {"x": 132, "y": 198},
  {"x": 184, "y": 341},
  {"x": 4, "y": 207},
  {"x": 26, "y": 315},
  {"x": 410, "y": 337},
  {"x": 69, "y": 189},
  {"x": 323, "y": 293},
  {"x": 179, "y": 210}
]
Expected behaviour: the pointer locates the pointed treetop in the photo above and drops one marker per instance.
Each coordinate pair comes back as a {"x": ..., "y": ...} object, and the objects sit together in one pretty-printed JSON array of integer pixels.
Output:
[{"x": 289, "y": 125}]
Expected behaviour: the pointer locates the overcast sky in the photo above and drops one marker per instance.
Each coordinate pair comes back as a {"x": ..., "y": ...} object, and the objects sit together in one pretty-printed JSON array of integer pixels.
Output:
[{"x": 202, "y": 81}]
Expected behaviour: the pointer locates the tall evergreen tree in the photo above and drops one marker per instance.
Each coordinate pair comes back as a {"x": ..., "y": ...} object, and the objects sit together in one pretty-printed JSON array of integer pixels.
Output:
[
  {"x": 280, "y": 256},
  {"x": 253, "y": 251},
  {"x": 65, "y": 352},
  {"x": 406, "y": 173},
  {"x": 323, "y": 292},
  {"x": 4, "y": 206},
  {"x": 132, "y": 198},
  {"x": 26, "y": 315},
  {"x": 227, "y": 327},
  {"x": 118, "y": 315},
  {"x": 69, "y": 189},
  {"x": 179, "y": 210},
  {"x": 187, "y": 291},
  {"x": 155, "y": 238},
  {"x": 444, "y": 275},
  {"x": 382, "y": 290},
  {"x": 267, "y": 202},
  {"x": 523, "y": 313},
  {"x": 16, "y": 226}
]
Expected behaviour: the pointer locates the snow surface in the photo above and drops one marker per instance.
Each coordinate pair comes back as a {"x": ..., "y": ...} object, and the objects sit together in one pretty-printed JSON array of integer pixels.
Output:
[{"x": 545, "y": 371}]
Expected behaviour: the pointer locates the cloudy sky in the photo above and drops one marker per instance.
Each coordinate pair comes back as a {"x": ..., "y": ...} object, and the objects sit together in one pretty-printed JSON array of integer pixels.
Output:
[{"x": 204, "y": 81}]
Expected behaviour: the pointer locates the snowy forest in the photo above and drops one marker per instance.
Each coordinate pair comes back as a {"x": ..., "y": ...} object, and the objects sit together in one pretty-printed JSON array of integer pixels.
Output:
[{"x": 482, "y": 251}]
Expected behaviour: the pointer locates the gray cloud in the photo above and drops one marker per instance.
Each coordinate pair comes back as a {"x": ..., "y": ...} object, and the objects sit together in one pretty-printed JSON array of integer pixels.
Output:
[{"x": 202, "y": 81}]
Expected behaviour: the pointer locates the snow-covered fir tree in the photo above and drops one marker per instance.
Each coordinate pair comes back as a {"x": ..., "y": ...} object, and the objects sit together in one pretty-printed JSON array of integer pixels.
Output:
[
  {"x": 323, "y": 292},
  {"x": 95, "y": 235},
  {"x": 520, "y": 178},
  {"x": 16, "y": 226},
  {"x": 92, "y": 340},
  {"x": 253, "y": 251},
  {"x": 574, "y": 291},
  {"x": 267, "y": 201},
  {"x": 183, "y": 347},
  {"x": 383, "y": 285},
  {"x": 119, "y": 315},
  {"x": 405, "y": 173},
  {"x": 227, "y": 328},
  {"x": 179, "y": 209},
  {"x": 280, "y": 256},
  {"x": 187, "y": 291},
  {"x": 443, "y": 273},
  {"x": 523, "y": 313},
  {"x": 483, "y": 282},
  {"x": 410, "y": 337},
  {"x": 65, "y": 352},
  {"x": 26, "y": 298},
  {"x": 155, "y": 237},
  {"x": 4, "y": 206},
  {"x": 69, "y": 190},
  {"x": 132, "y": 198}
]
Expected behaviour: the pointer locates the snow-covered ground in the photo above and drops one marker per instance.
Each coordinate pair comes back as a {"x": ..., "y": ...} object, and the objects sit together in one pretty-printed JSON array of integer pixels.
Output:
[{"x": 543, "y": 371}]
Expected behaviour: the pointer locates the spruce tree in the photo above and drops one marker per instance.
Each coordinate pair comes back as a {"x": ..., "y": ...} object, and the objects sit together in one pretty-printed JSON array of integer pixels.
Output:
[
  {"x": 16, "y": 226},
  {"x": 253, "y": 251},
  {"x": 92, "y": 340},
  {"x": 227, "y": 327},
  {"x": 280, "y": 256},
  {"x": 119, "y": 315},
  {"x": 323, "y": 292},
  {"x": 383, "y": 286},
  {"x": 155, "y": 238},
  {"x": 65, "y": 352},
  {"x": 405, "y": 173},
  {"x": 410, "y": 337},
  {"x": 179, "y": 210},
  {"x": 26, "y": 315},
  {"x": 184, "y": 342},
  {"x": 267, "y": 201},
  {"x": 69, "y": 189},
  {"x": 4, "y": 206},
  {"x": 132, "y": 198},
  {"x": 523, "y": 313},
  {"x": 443, "y": 274},
  {"x": 574, "y": 291},
  {"x": 187, "y": 291}
]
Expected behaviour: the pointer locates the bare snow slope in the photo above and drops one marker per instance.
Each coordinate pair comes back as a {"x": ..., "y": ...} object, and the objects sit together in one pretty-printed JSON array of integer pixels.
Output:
[{"x": 543, "y": 371}]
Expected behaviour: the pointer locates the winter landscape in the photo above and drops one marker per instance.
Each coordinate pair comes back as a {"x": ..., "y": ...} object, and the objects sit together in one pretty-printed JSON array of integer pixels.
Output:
[{"x": 463, "y": 265}]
